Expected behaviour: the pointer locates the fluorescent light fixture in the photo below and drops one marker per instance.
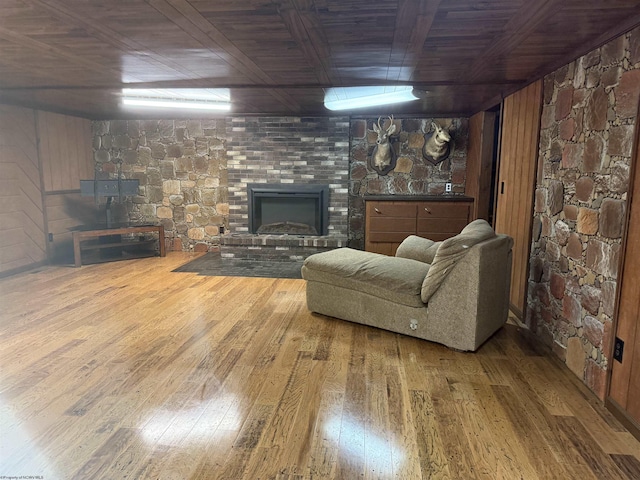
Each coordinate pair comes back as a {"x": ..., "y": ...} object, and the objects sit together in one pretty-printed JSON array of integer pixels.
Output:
[
  {"x": 150, "y": 102},
  {"x": 216, "y": 99},
  {"x": 347, "y": 98}
]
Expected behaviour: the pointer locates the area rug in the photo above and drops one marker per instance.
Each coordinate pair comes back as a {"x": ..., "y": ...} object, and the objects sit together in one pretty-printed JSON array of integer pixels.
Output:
[{"x": 212, "y": 264}]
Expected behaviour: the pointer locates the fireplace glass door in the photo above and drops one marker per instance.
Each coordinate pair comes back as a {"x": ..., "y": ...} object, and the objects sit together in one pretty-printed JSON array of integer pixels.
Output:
[{"x": 288, "y": 209}]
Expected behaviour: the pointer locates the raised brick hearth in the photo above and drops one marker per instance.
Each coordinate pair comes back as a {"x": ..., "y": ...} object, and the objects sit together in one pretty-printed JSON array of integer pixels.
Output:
[{"x": 277, "y": 247}]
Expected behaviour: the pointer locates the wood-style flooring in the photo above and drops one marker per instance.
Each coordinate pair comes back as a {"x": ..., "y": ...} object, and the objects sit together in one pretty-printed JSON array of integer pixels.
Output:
[{"x": 127, "y": 370}]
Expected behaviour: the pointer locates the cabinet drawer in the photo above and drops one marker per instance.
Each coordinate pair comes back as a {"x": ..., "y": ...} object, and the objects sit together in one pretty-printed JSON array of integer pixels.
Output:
[
  {"x": 429, "y": 227},
  {"x": 388, "y": 237},
  {"x": 391, "y": 209},
  {"x": 392, "y": 225},
  {"x": 387, "y": 229},
  {"x": 443, "y": 209}
]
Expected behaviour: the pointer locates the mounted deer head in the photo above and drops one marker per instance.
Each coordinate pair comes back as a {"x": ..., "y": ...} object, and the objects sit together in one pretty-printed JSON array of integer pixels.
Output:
[
  {"x": 437, "y": 144},
  {"x": 383, "y": 154}
]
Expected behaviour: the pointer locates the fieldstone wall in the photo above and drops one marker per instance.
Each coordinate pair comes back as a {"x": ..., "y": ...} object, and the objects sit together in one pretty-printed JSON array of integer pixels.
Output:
[
  {"x": 413, "y": 175},
  {"x": 182, "y": 169},
  {"x": 193, "y": 173},
  {"x": 587, "y": 128}
]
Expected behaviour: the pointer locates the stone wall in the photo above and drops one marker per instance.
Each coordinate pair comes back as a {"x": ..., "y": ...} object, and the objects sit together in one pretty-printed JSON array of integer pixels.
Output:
[
  {"x": 182, "y": 169},
  {"x": 193, "y": 173},
  {"x": 587, "y": 128},
  {"x": 413, "y": 175}
]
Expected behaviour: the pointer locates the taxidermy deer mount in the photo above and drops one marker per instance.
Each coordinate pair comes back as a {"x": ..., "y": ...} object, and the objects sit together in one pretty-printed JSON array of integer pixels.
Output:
[
  {"x": 383, "y": 158},
  {"x": 437, "y": 144}
]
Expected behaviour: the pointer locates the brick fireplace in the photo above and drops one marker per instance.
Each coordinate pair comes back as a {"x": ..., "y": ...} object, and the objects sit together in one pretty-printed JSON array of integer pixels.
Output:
[{"x": 278, "y": 153}]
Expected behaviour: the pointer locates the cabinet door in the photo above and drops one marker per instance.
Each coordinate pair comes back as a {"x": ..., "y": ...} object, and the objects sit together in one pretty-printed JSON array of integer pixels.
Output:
[
  {"x": 388, "y": 224},
  {"x": 441, "y": 220}
]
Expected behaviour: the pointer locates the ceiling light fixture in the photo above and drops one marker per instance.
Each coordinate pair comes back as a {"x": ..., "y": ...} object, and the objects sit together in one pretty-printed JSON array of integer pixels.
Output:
[
  {"x": 214, "y": 99},
  {"x": 347, "y": 98}
]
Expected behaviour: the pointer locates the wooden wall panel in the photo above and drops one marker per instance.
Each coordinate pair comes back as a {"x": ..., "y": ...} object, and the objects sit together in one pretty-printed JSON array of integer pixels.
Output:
[
  {"x": 516, "y": 181},
  {"x": 43, "y": 156},
  {"x": 22, "y": 221},
  {"x": 65, "y": 151},
  {"x": 66, "y": 155}
]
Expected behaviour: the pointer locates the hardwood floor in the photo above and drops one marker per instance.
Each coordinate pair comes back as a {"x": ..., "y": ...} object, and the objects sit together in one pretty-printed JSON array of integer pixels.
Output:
[{"x": 127, "y": 370}]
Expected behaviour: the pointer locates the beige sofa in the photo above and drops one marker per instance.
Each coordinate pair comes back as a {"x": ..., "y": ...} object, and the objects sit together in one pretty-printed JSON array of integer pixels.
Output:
[{"x": 454, "y": 292}]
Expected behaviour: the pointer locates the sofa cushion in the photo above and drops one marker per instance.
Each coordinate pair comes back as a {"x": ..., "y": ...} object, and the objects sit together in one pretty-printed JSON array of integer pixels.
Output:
[
  {"x": 396, "y": 279},
  {"x": 418, "y": 248},
  {"x": 451, "y": 251}
]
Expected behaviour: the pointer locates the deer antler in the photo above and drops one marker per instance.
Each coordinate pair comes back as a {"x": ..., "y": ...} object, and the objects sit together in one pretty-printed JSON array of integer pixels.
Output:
[{"x": 392, "y": 126}]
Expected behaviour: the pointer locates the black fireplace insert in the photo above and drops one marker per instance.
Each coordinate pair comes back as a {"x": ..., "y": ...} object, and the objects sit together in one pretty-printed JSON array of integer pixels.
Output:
[{"x": 293, "y": 209}]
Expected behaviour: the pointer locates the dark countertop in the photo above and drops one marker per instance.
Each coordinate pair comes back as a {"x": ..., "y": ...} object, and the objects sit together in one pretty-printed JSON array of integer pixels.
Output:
[{"x": 419, "y": 198}]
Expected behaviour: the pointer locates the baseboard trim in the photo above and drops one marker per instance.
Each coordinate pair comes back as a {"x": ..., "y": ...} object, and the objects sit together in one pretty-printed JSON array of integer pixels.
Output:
[
  {"x": 516, "y": 311},
  {"x": 22, "y": 269},
  {"x": 623, "y": 417}
]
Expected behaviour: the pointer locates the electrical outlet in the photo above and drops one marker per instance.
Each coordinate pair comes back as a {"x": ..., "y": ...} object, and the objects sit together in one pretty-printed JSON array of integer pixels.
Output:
[
  {"x": 618, "y": 350},
  {"x": 447, "y": 187},
  {"x": 51, "y": 237}
]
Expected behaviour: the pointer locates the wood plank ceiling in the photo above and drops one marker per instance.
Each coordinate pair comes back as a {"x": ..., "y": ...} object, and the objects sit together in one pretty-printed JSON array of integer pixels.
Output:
[{"x": 75, "y": 56}]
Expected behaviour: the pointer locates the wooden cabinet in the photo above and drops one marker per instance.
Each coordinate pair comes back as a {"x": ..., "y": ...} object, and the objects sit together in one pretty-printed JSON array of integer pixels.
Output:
[{"x": 389, "y": 222}]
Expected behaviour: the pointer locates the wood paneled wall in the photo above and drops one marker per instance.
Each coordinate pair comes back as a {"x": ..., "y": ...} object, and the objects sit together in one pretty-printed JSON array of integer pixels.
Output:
[
  {"x": 516, "y": 181},
  {"x": 65, "y": 151},
  {"x": 43, "y": 156},
  {"x": 66, "y": 156},
  {"x": 22, "y": 222}
]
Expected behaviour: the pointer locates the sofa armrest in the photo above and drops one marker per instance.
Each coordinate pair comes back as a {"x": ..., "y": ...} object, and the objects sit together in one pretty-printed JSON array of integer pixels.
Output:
[
  {"x": 418, "y": 248},
  {"x": 473, "y": 300}
]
